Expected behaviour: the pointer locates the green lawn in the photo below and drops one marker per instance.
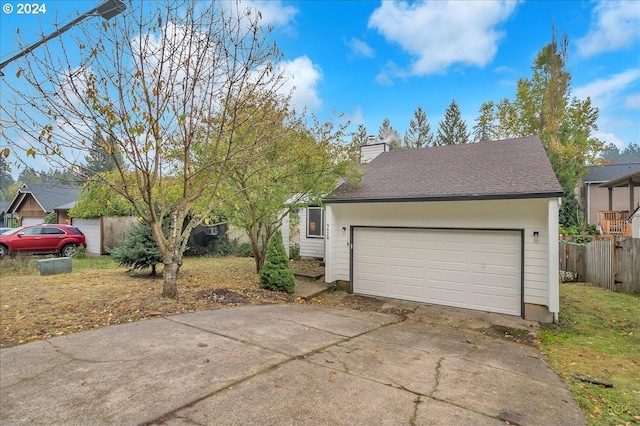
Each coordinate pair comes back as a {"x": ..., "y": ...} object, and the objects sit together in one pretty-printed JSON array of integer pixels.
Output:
[{"x": 598, "y": 337}]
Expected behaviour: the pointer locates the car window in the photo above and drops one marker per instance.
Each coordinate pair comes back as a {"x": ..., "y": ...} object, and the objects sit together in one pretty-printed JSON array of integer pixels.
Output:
[
  {"x": 74, "y": 230},
  {"x": 50, "y": 231},
  {"x": 32, "y": 231}
]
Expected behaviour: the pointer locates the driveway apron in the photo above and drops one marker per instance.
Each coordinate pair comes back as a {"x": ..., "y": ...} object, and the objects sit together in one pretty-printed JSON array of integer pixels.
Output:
[{"x": 284, "y": 364}]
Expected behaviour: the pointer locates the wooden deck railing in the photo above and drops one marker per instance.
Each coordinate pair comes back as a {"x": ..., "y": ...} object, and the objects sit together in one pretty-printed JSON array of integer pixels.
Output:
[{"x": 614, "y": 222}]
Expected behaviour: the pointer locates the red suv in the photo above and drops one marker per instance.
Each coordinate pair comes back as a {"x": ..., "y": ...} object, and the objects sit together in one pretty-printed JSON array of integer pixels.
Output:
[{"x": 61, "y": 239}]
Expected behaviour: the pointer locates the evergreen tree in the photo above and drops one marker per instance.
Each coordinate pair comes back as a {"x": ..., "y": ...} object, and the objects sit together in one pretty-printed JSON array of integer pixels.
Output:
[
  {"x": 389, "y": 135},
  {"x": 419, "y": 133},
  {"x": 630, "y": 154},
  {"x": 6, "y": 180},
  {"x": 102, "y": 156},
  {"x": 139, "y": 249},
  {"x": 29, "y": 175},
  {"x": 569, "y": 213},
  {"x": 359, "y": 138},
  {"x": 486, "y": 128},
  {"x": 453, "y": 129},
  {"x": 276, "y": 273}
]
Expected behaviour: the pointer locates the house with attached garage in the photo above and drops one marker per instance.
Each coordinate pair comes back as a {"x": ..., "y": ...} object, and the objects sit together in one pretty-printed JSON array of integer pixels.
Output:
[
  {"x": 33, "y": 201},
  {"x": 471, "y": 226}
]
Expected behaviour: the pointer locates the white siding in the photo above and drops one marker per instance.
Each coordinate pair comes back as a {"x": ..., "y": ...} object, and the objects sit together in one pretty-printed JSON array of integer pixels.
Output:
[
  {"x": 92, "y": 230},
  {"x": 310, "y": 247},
  {"x": 527, "y": 214},
  {"x": 284, "y": 228}
]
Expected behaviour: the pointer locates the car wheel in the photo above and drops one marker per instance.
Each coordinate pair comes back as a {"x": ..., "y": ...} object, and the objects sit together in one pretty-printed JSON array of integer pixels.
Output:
[
  {"x": 68, "y": 251},
  {"x": 3, "y": 251}
]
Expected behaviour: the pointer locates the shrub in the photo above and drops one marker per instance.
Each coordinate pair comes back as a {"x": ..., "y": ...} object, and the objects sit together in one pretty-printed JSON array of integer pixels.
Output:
[
  {"x": 276, "y": 274},
  {"x": 80, "y": 253},
  {"x": 139, "y": 249},
  {"x": 245, "y": 250},
  {"x": 294, "y": 251}
]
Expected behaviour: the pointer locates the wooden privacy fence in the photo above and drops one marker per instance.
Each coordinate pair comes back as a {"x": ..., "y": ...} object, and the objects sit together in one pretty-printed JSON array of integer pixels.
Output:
[{"x": 610, "y": 262}]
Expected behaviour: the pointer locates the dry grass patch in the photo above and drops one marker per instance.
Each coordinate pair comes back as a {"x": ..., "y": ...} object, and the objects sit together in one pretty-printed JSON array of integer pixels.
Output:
[{"x": 99, "y": 293}]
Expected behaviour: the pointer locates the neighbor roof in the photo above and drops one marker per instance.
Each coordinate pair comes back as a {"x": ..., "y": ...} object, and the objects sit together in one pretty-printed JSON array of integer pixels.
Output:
[
  {"x": 49, "y": 196},
  {"x": 505, "y": 169},
  {"x": 605, "y": 173}
]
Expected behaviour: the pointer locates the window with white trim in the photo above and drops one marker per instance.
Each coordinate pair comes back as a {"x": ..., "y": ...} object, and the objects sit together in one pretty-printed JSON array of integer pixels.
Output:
[{"x": 315, "y": 222}]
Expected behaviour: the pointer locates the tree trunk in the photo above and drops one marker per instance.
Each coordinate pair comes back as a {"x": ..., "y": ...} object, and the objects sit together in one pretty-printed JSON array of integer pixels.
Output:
[
  {"x": 171, "y": 267},
  {"x": 259, "y": 258}
]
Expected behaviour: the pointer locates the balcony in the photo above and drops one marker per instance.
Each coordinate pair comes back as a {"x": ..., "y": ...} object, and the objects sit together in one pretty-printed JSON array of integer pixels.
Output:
[{"x": 614, "y": 223}]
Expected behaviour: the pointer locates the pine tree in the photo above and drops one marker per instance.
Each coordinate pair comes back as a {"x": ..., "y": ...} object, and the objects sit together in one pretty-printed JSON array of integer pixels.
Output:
[
  {"x": 486, "y": 128},
  {"x": 276, "y": 273},
  {"x": 453, "y": 129},
  {"x": 389, "y": 135},
  {"x": 419, "y": 133},
  {"x": 6, "y": 180},
  {"x": 359, "y": 138},
  {"x": 102, "y": 156},
  {"x": 139, "y": 249}
]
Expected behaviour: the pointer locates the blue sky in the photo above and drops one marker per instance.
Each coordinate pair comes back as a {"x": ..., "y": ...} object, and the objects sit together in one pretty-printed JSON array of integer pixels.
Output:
[{"x": 372, "y": 60}]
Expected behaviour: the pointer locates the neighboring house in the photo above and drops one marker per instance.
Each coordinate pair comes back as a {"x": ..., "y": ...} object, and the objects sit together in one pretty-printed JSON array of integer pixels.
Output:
[
  {"x": 616, "y": 222},
  {"x": 4, "y": 218},
  {"x": 33, "y": 201},
  {"x": 594, "y": 196},
  {"x": 472, "y": 226}
]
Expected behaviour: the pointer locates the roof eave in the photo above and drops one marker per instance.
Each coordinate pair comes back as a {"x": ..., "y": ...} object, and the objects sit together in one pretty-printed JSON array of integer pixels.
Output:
[{"x": 462, "y": 197}]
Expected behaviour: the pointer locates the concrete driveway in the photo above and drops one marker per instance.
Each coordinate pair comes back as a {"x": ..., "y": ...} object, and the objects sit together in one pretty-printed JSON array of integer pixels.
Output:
[{"x": 286, "y": 364}]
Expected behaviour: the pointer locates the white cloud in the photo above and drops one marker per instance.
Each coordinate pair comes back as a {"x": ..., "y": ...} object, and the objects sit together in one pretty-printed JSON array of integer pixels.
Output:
[
  {"x": 615, "y": 25},
  {"x": 302, "y": 79},
  {"x": 632, "y": 101},
  {"x": 605, "y": 92},
  {"x": 439, "y": 34},
  {"x": 356, "y": 117},
  {"x": 610, "y": 138},
  {"x": 360, "y": 48},
  {"x": 273, "y": 12}
]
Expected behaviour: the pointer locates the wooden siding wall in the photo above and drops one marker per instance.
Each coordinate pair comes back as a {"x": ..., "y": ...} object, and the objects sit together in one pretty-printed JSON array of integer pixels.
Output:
[
  {"x": 113, "y": 231},
  {"x": 608, "y": 262}
]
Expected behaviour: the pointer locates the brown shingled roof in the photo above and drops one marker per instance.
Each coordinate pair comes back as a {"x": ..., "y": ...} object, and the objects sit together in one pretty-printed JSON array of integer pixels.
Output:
[{"x": 511, "y": 168}]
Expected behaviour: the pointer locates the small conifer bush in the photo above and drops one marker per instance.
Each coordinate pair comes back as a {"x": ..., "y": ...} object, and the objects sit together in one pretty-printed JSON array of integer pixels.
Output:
[
  {"x": 139, "y": 249},
  {"x": 276, "y": 274}
]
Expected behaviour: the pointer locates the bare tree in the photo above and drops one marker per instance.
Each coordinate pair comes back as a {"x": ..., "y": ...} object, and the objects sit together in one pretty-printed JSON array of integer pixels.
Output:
[{"x": 150, "y": 80}]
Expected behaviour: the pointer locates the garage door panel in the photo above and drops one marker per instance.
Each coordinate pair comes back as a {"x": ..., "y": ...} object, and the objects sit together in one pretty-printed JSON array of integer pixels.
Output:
[
  {"x": 471, "y": 269},
  {"x": 404, "y": 272}
]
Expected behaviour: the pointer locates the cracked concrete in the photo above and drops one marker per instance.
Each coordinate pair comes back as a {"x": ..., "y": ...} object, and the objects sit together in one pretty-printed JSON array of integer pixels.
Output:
[{"x": 286, "y": 364}]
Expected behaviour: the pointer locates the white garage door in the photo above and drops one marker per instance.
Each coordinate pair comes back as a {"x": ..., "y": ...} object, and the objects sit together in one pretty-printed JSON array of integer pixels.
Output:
[
  {"x": 32, "y": 221},
  {"x": 468, "y": 269}
]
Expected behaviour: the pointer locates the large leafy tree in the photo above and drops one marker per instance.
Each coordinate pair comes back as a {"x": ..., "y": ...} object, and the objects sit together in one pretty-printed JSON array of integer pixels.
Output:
[
  {"x": 419, "y": 133},
  {"x": 296, "y": 166},
  {"x": 543, "y": 106},
  {"x": 388, "y": 134},
  {"x": 149, "y": 79},
  {"x": 453, "y": 129}
]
